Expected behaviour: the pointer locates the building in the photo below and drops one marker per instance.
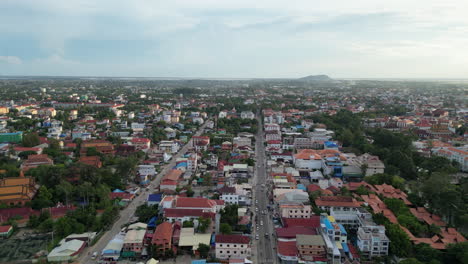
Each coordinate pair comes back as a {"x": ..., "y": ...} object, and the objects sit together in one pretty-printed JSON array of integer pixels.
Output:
[
  {"x": 311, "y": 248},
  {"x": 112, "y": 250},
  {"x": 328, "y": 203},
  {"x": 15, "y": 137},
  {"x": 17, "y": 190},
  {"x": 94, "y": 161},
  {"x": 247, "y": 115},
  {"x": 182, "y": 215},
  {"x": 141, "y": 143},
  {"x": 162, "y": 237},
  {"x": 102, "y": 146},
  {"x": 4, "y": 110},
  {"x": 6, "y": 231},
  {"x": 168, "y": 146},
  {"x": 35, "y": 161},
  {"x": 190, "y": 241},
  {"x": 242, "y": 141},
  {"x": 371, "y": 239},
  {"x": 195, "y": 203},
  {"x": 372, "y": 164},
  {"x": 454, "y": 154},
  {"x": 67, "y": 251},
  {"x": 134, "y": 240},
  {"x": 232, "y": 246},
  {"x": 295, "y": 210},
  {"x": 229, "y": 195}
]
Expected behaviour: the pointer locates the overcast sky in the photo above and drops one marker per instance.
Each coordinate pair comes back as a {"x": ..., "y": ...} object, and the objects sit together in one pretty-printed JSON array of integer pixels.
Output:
[{"x": 221, "y": 38}]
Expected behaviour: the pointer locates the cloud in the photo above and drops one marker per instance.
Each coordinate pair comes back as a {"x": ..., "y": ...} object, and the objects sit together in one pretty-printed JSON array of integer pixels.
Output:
[
  {"x": 234, "y": 38},
  {"x": 10, "y": 59}
]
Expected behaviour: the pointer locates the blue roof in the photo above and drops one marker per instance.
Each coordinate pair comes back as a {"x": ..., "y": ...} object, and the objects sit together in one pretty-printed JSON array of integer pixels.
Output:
[
  {"x": 327, "y": 223},
  {"x": 342, "y": 229},
  {"x": 199, "y": 261},
  {"x": 182, "y": 164},
  {"x": 330, "y": 144},
  {"x": 345, "y": 247},
  {"x": 152, "y": 222},
  {"x": 301, "y": 186},
  {"x": 156, "y": 197},
  {"x": 299, "y": 126},
  {"x": 118, "y": 191}
]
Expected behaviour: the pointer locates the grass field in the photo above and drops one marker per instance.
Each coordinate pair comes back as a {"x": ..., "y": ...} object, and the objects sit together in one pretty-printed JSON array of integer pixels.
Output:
[{"x": 22, "y": 248}]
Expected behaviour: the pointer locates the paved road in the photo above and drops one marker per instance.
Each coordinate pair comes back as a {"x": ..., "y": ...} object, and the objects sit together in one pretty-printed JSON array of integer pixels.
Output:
[
  {"x": 128, "y": 212},
  {"x": 265, "y": 248}
]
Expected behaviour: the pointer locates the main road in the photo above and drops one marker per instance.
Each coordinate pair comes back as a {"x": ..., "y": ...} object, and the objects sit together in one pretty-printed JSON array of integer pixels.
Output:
[
  {"x": 265, "y": 247},
  {"x": 128, "y": 212}
]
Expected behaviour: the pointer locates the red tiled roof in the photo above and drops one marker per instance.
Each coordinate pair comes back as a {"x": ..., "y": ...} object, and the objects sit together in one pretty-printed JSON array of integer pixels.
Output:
[
  {"x": 343, "y": 201},
  {"x": 4, "y": 229},
  {"x": 287, "y": 248},
  {"x": 313, "y": 221},
  {"x": 163, "y": 231},
  {"x": 291, "y": 232},
  {"x": 234, "y": 239},
  {"x": 174, "y": 212},
  {"x": 194, "y": 202}
]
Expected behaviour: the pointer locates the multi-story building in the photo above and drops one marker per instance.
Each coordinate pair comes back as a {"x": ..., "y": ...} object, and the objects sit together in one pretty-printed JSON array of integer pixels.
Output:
[
  {"x": 295, "y": 210},
  {"x": 344, "y": 203},
  {"x": 454, "y": 154},
  {"x": 134, "y": 240},
  {"x": 371, "y": 239},
  {"x": 247, "y": 115},
  {"x": 162, "y": 237},
  {"x": 168, "y": 146},
  {"x": 311, "y": 247},
  {"x": 232, "y": 246}
]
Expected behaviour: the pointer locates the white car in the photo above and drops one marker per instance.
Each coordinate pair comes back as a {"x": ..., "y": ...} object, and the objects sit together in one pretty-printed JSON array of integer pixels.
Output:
[
  {"x": 261, "y": 223},
  {"x": 256, "y": 237}
]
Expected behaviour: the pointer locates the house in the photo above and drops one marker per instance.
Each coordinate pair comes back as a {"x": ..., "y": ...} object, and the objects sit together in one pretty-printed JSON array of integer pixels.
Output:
[
  {"x": 66, "y": 251},
  {"x": 35, "y": 161},
  {"x": 170, "y": 180},
  {"x": 6, "y": 231},
  {"x": 134, "y": 240},
  {"x": 372, "y": 164},
  {"x": 141, "y": 143},
  {"x": 232, "y": 246},
  {"x": 307, "y": 159},
  {"x": 200, "y": 143},
  {"x": 94, "y": 161},
  {"x": 153, "y": 199},
  {"x": 242, "y": 141},
  {"x": 102, "y": 146},
  {"x": 247, "y": 115},
  {"x": 162, "y": 237},
  {"x": 168, "y": 146}
]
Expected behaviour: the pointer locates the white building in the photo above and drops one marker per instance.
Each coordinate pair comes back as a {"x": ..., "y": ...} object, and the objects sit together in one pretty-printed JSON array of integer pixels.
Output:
[
  {"x": 137, "y": 127},
  {"x": 232, "y": 246},
  {"x": 458, "y": 155},
  {"x": 247, "y": 115},
  {"x": 295, "y": 211}
]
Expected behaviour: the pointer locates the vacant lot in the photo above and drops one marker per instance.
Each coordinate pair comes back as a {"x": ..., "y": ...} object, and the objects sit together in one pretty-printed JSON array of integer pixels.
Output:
[{"x": 22, "y": 247}]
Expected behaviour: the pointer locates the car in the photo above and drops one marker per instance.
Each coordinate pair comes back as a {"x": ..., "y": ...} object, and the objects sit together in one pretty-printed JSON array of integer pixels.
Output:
[
  {"x": 261, "y": 223},
  {"x": 256, "y": 201},
  {"x": 256, "y": 208},
  {"x": 257, "y": 237},
  {"x": 94, "y": 256}
]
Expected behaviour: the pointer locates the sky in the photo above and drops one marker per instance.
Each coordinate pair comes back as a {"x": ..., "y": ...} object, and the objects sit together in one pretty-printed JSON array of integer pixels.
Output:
[{"x": 235, "y": 39}]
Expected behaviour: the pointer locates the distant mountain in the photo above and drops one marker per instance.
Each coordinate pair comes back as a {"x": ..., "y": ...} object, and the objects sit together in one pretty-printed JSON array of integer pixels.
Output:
[{"x": 316, "y": 78}]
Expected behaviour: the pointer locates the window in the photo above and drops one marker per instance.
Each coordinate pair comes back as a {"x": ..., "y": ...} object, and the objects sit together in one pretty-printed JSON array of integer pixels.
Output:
[
  {"x": 220, "y": 245},
  {"x": 235, "y": 245},
  {"x": 220, "y": 252}
]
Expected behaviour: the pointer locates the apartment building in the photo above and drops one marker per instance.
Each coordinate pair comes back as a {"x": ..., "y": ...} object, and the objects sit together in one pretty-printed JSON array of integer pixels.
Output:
[
  {"x": 232, "y": 246},
  {"x": 295, "y": 210}
]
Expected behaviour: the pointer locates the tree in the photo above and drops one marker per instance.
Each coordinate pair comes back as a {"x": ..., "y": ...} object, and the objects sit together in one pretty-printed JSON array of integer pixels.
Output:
[
  {"x": 31, "y": 140},
  {"x": 145, "y": 212},
  {"x": 204, "y": 223},
  {"x": 425, "y": 253},
  {"x": 25, "y": 154},
  {"x": 400, "y": 245},
  {"x": 225, "y": 228},
  {"x": 203, "y": 249},
  {"x": 43, "y": 199},
  {"x": 457, "y": 253},
  {"x": 361, "y": 190},
  {"x": 187, "y": 224},
  {"x": 411, "y": 261}
]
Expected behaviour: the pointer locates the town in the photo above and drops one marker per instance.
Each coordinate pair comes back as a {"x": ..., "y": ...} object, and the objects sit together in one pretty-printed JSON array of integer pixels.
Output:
[{"x": 283, "y": 171}]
